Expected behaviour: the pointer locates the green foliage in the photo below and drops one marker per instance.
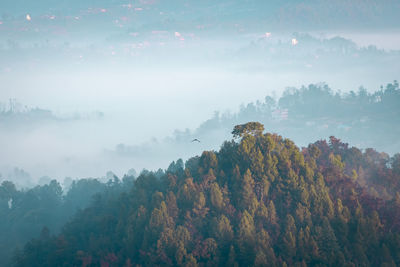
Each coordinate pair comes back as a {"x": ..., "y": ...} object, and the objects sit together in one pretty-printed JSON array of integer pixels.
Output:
[
  {"x": 258, "y": 202},
  {"x": 25, "y": 213},
  {"x": 250, "y": 128}
]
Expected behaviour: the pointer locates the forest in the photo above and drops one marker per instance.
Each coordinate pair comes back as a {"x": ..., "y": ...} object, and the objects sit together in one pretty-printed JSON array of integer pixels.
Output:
[
  {"x": 259, "y": 200},
  {"x": 24, "y": 213},
  {"x": 264, "y": 133}
]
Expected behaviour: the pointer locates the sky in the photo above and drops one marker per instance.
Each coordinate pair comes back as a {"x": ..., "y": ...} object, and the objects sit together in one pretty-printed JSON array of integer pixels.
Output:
[{"x": 156, "y": 66}]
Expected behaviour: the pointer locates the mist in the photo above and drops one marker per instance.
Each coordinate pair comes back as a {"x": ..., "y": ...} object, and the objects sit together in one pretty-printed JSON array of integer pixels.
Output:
[
  {"x": 199, "y": 132},
  {"x": 152, "y": 79}
]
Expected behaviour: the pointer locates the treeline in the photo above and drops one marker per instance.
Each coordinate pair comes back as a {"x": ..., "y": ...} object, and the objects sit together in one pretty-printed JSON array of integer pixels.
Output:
[
  {"x": 258, "y": 201},
  {"x": 362, "y": 118},
  {"x": 13, "y": 112},
  {"x": 24, "y": 213},
  {"x": 320, "y": 108},
  {"x": 315, "y": 112}
]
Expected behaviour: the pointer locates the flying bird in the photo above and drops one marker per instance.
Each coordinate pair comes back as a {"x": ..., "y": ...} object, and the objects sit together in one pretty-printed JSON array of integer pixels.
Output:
[{"x": 196, "y": 140}]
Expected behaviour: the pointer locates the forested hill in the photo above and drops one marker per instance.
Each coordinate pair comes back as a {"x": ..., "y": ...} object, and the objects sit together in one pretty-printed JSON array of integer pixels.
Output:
[{"x": 258, "y": 201}]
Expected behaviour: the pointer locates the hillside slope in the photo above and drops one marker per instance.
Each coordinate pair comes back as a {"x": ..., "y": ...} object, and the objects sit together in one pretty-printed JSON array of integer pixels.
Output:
[{"x": 258, "y": 201}]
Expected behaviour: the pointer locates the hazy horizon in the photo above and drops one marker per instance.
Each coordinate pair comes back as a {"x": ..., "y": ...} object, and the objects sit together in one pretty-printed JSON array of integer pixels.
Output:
[{"x": 153, "y": 67}]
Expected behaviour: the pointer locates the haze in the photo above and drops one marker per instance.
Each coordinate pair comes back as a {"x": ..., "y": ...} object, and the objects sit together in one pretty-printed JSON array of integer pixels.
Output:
[{"x": 152, "y": 67}]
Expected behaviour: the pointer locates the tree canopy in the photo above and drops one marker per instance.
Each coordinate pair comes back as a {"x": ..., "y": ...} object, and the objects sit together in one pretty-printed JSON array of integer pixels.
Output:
[
  {"x": 258, "y": 201},
  {"x": 253, "y": 128}
]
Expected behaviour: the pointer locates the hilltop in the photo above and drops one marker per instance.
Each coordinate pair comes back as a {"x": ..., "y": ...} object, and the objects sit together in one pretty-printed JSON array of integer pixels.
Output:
[{"x": 258, "y": 201}]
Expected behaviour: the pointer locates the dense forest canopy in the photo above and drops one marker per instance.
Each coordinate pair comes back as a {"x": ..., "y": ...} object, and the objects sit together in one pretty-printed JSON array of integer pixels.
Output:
[
  {"x": 258, "y": 201},
  {"x": 24, "y": 213}
]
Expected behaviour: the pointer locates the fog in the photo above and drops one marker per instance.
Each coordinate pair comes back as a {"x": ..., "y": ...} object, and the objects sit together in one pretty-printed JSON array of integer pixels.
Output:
[{"x": 151, "y": 77}]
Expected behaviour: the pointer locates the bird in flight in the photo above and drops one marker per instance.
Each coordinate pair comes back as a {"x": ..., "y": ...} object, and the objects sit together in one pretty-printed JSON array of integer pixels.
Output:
[{"x": 196, "y": 140}]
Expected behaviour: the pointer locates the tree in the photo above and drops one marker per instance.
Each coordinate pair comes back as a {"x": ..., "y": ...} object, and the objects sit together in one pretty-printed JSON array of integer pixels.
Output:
[
  {"x": 250, "y": 128},
  {"x": 216, "y": 197},
  {"x": 327, "y": 242},
  {"x": 232, "y": 261},
  {"x": 248, "y": 198},
  {"x": 261, "y": 259},
  {"x": 246, "y": 237},
  {"x": 223, "y": 231},
  {"x": 289, "y": 239}
]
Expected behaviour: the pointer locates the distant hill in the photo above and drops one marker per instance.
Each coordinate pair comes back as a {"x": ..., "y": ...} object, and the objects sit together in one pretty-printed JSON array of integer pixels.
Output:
[
  {"x": 302, "y": 114},
  {"x": 13, "y": 114}
]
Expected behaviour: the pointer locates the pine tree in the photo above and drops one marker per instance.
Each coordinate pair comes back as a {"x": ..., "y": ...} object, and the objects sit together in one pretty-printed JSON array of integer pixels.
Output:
[
  {"x": 232, "y": 261},
  {"x": 216, "y": 197},
  {"x": 248, "y": 198},
  {"x": 246, "y": 238},
  {"x": 289, "y": 239}
]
